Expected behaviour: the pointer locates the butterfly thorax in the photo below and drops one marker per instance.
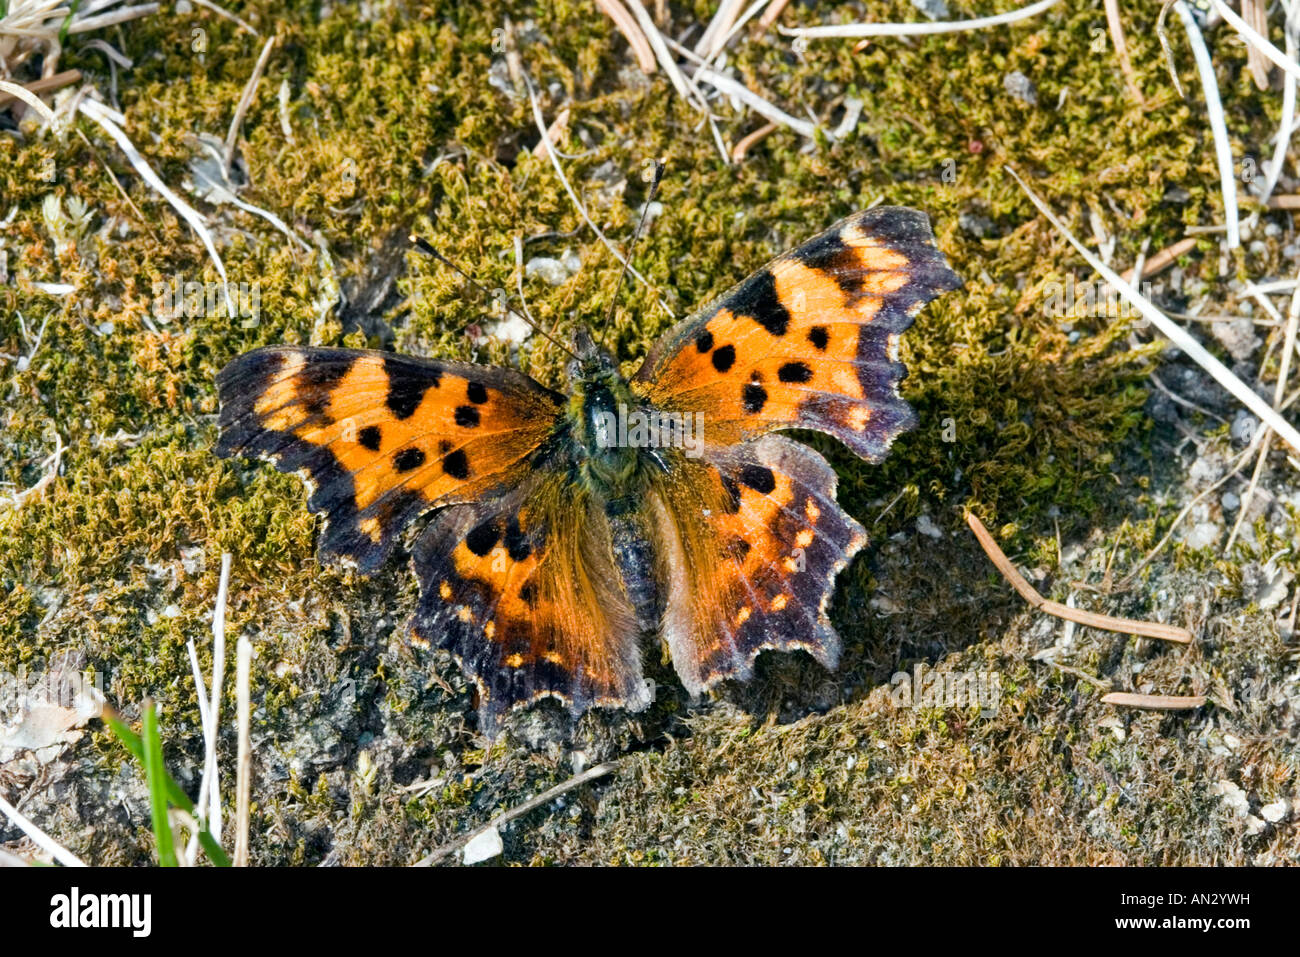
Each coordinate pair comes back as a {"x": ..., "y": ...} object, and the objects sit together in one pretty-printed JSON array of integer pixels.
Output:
[{"x": 598, "y": 401}]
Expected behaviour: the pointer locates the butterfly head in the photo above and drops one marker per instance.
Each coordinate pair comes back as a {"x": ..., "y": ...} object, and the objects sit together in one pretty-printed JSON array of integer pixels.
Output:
[{"x": 591, "y": 360}]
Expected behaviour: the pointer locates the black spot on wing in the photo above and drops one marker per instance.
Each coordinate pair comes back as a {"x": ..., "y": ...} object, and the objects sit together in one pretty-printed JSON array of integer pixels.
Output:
[
  {"x": 482, "y": 538},
  {"x": 757, "y": 299},
  {"x": 477, "y": 393},
  {"x": 516, "y": 543},
  {"x": 759, "y": 478},
  {"x": 794, "y": 372},
  {"x": 467, "y": 416},
  {"x": 408, "y": 459},
  {"x": 754, "y": 397},
  {"x": 369, "y": 437},
  {"x": 819, "y": 337},
  {"x": 704, "y": 341},
  {"x": 456, "y": 464},
  {"x": 407, "y": 385},
  {"x": 724, "y": 358}
]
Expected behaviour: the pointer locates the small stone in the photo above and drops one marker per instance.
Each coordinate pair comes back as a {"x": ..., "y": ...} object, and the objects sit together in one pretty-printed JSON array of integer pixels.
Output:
[
  {"x": 1021, "y": 87},
  {"x": 1275, "y": 812},
  {"x": 483, "y": 847},
  {"x": 550, "y": 270},
  {"x": 1203, "y": 535},
  {"x": 977, "y": 224},
  {"x": 1238, "y": 337},
  {"x": 927, "y": 528},
  {"x": 1243, "y": 427},
  {"x": 1230, "y": 501},
  {"x": 934, "y": 9}
]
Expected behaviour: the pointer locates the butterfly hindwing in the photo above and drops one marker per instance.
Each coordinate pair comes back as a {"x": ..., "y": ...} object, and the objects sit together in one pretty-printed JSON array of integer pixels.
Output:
[
  {"x": 380, "y": 437},
  {"x": 753, "y": 540},
  {"x": 810, "y": 340},
  {"x": 521, "y": 589}
]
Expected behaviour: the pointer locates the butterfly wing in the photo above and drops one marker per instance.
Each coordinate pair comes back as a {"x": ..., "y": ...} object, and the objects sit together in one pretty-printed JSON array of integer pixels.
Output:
[
  {"x": 521, "y": 588},
  {"x": 753, "y": 536},
  {"x": 379, "y": 437},
  {"x": 751, "y": 541},
  {"x": 810, "y": 340}
]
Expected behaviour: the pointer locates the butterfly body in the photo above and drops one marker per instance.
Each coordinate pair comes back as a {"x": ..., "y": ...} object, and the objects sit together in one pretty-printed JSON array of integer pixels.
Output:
[{"x": 568, "y": 526}]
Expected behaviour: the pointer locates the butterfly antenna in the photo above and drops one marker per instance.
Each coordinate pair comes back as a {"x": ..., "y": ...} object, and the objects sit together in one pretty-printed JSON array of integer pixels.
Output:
[
  {"x": 428, "y": 249},
  {"x": 627, "y": 259}
]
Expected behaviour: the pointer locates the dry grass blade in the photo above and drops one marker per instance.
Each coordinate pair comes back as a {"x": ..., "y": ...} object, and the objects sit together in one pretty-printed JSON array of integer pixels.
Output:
[
  {"x": 246, "y": 100},
  {"x": 715, "y": 34},
  {"x": 546, "y": 797},
  {"x": 109, "y": 121},
  {"x": 1116, "y": 26},
  {"x": 222, "y": 12},
  {"x": 728, "y": 86},
  {"x": 1218, "y": 123},
  {"x": 1146, "y": 629},
  {"x": 918, "y": 29},
  {"x": 627, "y": 26},
  {"x": 1154, "y": 702},
  {"x": 39, "y": 837},
  {"x": 1174, "y": 332},
  {"x": 244, "y": 767}
]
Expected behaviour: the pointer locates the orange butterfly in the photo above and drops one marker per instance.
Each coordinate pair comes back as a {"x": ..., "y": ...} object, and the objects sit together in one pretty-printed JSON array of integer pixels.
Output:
[{"x": 570, "y": 526}]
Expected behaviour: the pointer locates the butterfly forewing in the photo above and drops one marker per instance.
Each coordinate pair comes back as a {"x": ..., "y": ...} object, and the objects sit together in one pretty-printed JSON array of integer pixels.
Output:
[
  {"x": 810, "y": 340},
  {"x": 380, "y": 437}
]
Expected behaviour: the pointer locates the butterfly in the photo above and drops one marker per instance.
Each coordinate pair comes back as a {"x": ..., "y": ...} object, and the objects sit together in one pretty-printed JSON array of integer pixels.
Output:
[{"x": 568, "y": 527}]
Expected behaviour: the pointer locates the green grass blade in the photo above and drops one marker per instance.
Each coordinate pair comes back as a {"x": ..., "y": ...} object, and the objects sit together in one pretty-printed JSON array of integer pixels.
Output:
[
  {"x": 155, "y": 776},
  {"x": 132, "y": 742}
]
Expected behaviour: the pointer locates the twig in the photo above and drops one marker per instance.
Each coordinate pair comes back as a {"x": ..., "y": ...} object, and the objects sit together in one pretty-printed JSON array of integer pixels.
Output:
[
  {"x": 228, "y": 15},
  {"x": 1162, "y": 260},
  {"x": 1179, "y": 336},
  {"x": 1254, "y": 39},
  {"x": 773, "y": 11},
  {"x": 245, "y": 100},
  {"x": 1218, "y": 125},
  {"x": 1256, "y": 14},
  {"x": 46, "y": 84},
  {"x": 39, "y": 837},
  {"x": 728, "y": 86},
  {"x": 244, "y": 768},
  {"x": 1116, "y": 26},
  {"x": 546, "y": 797},
  {"x": 1154, "y": 702},
  {"x": 553, "y": 133},
  {"x": 746, "y": 143},
  {"x": 627, "y": 26},
  {"x": 917, "y": 29},
  {"x": 1147, "y": 629}
]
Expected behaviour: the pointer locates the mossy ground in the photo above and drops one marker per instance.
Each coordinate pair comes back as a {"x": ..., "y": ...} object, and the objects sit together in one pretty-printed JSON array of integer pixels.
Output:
[{"x": 405, "y": 117}]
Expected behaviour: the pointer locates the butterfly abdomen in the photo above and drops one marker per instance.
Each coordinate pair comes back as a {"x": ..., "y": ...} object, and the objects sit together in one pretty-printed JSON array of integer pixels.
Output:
[{"x": 635, "y": 560}]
